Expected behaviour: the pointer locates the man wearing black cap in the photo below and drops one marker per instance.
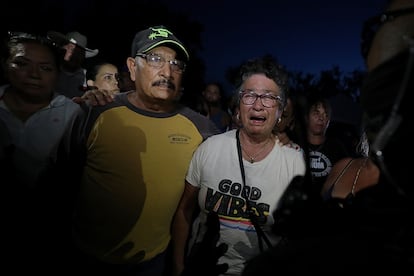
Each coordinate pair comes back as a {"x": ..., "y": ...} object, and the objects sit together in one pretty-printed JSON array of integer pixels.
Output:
[
  {"x": 138, "y": 149},
  {"x": 72, "y": 77}
]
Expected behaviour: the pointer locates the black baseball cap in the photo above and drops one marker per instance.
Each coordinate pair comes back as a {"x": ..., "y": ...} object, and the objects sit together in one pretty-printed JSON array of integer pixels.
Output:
[{"x": 152, "y": 37}]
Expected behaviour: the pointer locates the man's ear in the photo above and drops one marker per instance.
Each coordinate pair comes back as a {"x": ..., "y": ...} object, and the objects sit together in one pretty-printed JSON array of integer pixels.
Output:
[{"x": 132, "y": 67}]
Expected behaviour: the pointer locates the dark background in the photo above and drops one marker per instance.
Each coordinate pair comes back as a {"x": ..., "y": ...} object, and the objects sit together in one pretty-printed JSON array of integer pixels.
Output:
[{"x": 306, "y": 36}]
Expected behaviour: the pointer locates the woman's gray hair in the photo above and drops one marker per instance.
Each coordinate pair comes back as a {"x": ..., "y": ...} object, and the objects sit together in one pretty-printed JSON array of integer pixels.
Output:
[{"x": 268, "y": 66}]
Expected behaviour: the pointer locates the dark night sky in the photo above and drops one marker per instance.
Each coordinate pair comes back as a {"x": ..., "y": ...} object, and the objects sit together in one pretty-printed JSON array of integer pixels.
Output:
[{"x": 307, "y": 36}]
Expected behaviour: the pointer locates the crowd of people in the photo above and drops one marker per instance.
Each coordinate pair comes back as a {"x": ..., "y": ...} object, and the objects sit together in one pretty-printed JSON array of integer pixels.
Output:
[{"x": 117, "y": 177}]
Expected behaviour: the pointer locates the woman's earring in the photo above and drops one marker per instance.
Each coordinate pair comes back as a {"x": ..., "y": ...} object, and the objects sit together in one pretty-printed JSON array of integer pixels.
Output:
[
  {"x": 279, "y": 120},
  {"x": 238, "y": 116}
]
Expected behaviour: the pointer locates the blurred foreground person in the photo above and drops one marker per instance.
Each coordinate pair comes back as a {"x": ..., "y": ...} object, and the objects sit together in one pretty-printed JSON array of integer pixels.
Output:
[
  {"x": 351, "y": 174},
  {"x": 36, "y": 124},
  {"x": 374, "y": 233}
]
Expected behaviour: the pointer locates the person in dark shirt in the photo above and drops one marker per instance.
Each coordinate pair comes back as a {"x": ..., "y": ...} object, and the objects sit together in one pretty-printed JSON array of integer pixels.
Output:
[
  {"x": 323, "y": 151},
  {"x": 212, "y": 107}
]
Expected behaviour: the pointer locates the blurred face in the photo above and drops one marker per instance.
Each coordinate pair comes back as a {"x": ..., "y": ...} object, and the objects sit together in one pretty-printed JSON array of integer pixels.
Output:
[
  {"x": 256, "y": 118},
  {"x": 32, "y": 70},
  {"x": 156, "y": 81},
  {"x": 106, "y": 78},
  {"x": 318, "y": 120},
  {"x": 212, "y": 93},
  {"x": 74, "y": 57},
  {"x": 125, "y": 82}
]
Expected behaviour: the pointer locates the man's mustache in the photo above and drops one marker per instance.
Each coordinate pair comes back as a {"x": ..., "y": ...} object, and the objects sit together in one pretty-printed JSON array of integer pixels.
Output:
[{"x": 167, "y": 83}]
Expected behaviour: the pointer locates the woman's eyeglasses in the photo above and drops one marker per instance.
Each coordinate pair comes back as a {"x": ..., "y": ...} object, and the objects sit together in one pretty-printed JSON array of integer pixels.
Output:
[{"x": 249, "y": 97}]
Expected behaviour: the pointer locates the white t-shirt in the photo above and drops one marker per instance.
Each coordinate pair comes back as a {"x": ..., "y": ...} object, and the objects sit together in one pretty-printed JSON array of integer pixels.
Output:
[{"x": 215, "y": 169}]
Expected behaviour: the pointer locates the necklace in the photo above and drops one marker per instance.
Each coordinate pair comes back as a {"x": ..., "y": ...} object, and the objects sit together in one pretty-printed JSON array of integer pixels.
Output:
[{"x": 253, "y": 158}]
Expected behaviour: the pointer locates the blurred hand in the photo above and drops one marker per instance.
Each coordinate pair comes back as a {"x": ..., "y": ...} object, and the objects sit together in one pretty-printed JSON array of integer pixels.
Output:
[
  {"x": 95, "y": 96},
  {"x": 203, "y": 260}
]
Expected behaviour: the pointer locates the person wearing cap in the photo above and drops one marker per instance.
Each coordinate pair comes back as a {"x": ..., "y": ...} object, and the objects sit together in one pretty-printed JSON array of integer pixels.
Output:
[
  {"x": 138, "y": 148},
  {"x": 72, "y": 78}
]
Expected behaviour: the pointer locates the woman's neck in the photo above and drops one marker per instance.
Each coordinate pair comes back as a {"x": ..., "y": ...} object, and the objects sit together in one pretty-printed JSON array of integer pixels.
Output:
[
  {"x": 256, "y": 148},
  {"x": 255, "y": 140}
]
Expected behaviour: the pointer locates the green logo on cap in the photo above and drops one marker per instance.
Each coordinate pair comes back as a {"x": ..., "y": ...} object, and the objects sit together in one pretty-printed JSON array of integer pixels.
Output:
[{"x": 159, "y": 32}]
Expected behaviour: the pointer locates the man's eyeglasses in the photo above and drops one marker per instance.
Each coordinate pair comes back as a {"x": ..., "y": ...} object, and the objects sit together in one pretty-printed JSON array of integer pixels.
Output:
[
  {"x": 158, "y": 61},
  {"x": 249, "y": 97},
  {"x": 372, "y": 25}
]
